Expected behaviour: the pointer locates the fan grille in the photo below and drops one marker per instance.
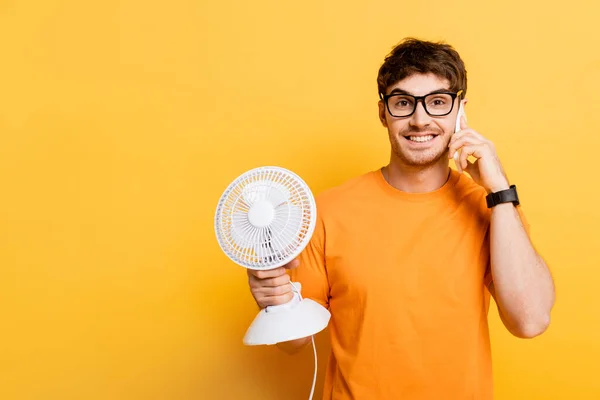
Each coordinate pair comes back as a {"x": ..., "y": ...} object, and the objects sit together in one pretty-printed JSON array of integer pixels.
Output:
[{"x": 285, "y": 234}]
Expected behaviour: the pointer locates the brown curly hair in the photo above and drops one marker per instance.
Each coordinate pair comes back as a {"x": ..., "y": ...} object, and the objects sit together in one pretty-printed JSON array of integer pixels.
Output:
[{"x": 412, "y": 55}]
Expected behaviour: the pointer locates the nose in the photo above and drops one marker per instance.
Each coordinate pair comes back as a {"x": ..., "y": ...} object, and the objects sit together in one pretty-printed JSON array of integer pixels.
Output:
[{"x": 420, "y": 118}]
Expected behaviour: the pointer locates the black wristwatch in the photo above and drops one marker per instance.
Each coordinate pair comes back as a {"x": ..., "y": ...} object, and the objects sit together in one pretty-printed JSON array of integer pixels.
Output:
[{"x": 503, "y": 196}]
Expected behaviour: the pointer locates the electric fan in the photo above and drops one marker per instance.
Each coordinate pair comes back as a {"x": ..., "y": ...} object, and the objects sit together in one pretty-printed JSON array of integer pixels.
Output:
[{"x": 264, "y": 219}]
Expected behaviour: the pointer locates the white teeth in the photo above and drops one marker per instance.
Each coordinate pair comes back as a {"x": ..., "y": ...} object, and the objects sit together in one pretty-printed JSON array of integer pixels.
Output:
[{"x": 421, "y": 138}]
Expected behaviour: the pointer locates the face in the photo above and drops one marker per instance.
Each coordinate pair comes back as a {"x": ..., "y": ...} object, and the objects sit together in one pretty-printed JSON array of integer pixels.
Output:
[{"x": 420, "y": 139}]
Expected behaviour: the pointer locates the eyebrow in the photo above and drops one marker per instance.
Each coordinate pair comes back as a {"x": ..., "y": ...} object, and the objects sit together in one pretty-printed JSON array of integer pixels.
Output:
[{"x": 401, "y": 91}]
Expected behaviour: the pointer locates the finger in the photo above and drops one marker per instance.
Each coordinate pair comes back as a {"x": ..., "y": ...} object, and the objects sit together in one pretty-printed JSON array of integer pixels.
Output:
[
  {"x": 276, "y": 300},
  {"x": 474, "y": 136},
  {"x": 264, "y": 301},
  {"x": 473, "y": 133},
  {"x": 459, "y": 136},
  {"x": 457, "y": 163},
  {"x": 474, "y": 150},
  {"x": 472, "y": 168},
  {"x": 456, "y": 136},
  {"x": 453, "y": 153},
  {"x": 266, "y": 273},
  {"x": 462, "y": 141},
  {"x": 272, "y": 291},
  {"x": 467, "y": 132},
  {"x": 455, "y": 146},
  {"x": 463, "y": 156},
  {"x": 269, "y": 282}
]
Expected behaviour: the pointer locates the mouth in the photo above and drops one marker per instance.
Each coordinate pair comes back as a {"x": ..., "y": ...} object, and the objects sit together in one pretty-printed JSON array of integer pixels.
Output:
[{"x": 420, "y": 138}]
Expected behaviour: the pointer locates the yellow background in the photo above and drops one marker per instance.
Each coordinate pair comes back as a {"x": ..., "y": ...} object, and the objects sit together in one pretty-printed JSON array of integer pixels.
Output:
[{"x": 121, "y": 123}]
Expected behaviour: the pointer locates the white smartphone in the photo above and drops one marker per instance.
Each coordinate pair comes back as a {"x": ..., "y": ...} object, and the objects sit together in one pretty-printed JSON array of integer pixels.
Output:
[{"x": 461, "y": 112}]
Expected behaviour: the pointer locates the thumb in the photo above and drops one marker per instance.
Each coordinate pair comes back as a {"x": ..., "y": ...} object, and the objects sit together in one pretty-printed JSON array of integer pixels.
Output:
[{"x": 472, "y": 169}]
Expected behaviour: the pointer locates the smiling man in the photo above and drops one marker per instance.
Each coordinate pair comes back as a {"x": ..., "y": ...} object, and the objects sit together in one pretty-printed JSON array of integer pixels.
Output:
[{"x": 407, "y": 256}]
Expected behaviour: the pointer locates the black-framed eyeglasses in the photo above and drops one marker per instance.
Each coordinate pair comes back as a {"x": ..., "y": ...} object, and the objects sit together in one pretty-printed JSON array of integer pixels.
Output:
[{"x": 436, "y": 104}]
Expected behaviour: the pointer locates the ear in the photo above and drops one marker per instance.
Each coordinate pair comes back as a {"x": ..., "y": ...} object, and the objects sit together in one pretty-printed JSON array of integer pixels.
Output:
[{"x": 382, "y": 113}]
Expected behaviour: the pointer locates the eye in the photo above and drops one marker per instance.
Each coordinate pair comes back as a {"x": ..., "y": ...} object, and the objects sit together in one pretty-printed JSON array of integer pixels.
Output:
[
  {"x": 438, "y": 101},
  {"x": 402, "y": 102}
]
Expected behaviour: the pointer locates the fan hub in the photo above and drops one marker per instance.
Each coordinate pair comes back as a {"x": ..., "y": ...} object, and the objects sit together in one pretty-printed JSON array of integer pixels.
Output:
[{"x": 261, "y": 214}]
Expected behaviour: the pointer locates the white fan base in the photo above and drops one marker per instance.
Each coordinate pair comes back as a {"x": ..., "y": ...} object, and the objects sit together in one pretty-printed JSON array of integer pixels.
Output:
[{"x": 296, "y": 319}]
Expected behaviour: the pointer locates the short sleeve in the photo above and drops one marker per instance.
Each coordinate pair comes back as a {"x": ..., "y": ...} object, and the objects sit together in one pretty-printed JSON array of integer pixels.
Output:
[{"x": 312, "y": 271}]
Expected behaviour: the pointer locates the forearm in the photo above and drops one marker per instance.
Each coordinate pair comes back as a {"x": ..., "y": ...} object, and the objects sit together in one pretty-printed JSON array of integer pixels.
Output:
[{"x": 522, "y": 283}]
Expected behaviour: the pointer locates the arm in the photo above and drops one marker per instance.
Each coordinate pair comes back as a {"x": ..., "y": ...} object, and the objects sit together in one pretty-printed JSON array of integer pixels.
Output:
[
  {"x": 271, "y": 288},
  {"x": 521, "y": 282}
]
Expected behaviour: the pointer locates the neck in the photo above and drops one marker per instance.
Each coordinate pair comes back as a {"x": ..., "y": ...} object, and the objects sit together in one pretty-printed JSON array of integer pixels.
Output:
[{"x": 417, "y": 179}]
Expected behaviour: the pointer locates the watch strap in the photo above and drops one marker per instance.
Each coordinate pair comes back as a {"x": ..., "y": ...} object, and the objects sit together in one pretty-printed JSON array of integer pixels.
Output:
[{"x": 504, "y": 196}]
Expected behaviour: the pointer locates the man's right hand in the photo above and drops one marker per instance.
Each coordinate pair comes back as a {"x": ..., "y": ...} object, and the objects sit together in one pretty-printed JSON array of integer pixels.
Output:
[{"x": 271, "y": 287}]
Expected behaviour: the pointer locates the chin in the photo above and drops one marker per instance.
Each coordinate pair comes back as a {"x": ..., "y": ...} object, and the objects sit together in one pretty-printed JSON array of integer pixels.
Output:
[
  {"x": 421, "y": 162},
  {"x": 419, "y": 159}
]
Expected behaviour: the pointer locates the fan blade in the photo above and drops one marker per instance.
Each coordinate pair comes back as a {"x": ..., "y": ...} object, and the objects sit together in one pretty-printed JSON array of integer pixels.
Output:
[
  {"x": 287, "y": 224},
  {"x": 255, "y": 191},
  {"x": 278, "y": 194},
  {"x": 238, "y": 237},
  {"x": 241, "y": 229},
  {"x": 274, "y": 192}
]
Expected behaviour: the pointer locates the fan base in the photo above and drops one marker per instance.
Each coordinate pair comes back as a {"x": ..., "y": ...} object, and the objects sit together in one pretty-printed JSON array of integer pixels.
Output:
[{"x": 296, "y": 319}]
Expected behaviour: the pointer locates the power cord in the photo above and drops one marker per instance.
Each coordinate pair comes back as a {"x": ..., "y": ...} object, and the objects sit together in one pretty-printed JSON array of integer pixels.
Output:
[{"x": 312, "y": 338}]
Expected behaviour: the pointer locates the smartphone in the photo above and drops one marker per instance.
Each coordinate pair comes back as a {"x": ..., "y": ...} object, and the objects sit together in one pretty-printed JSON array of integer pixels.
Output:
[{"x": 461, "y": 112}]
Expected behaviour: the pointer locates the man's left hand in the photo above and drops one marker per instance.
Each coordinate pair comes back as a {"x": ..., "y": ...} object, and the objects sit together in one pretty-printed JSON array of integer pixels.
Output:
[{"x": 486, "y": 170}]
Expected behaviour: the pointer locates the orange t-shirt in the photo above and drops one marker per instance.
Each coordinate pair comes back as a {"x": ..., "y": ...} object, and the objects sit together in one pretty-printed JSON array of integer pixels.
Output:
[{"x": 404, "y": 276}]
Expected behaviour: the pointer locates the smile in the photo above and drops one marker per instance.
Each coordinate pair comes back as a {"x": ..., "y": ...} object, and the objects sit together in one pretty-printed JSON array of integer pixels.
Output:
[{"x": 420, "y": 139}]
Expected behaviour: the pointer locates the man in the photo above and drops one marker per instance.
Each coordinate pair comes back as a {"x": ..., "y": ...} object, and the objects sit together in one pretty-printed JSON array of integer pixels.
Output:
[{"x": 406, "y": 257}]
